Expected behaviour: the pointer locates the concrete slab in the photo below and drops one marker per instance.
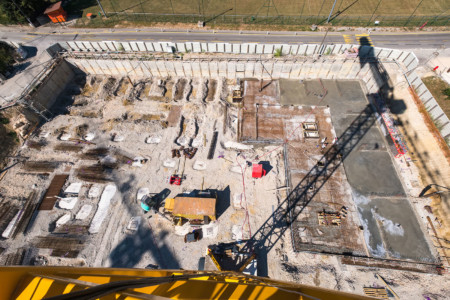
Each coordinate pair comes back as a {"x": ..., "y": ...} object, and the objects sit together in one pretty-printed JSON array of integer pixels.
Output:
[{"x": 391, "y": 230}]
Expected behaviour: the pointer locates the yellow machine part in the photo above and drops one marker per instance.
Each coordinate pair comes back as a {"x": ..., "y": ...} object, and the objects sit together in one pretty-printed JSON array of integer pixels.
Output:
[
  {"x": 168, "y": 206},
  {"x": 43, "y": 282}
]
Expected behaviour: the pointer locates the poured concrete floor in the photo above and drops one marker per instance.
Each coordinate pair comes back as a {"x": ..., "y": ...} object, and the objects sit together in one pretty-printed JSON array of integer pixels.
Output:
[{"x": 369, "y": 169}]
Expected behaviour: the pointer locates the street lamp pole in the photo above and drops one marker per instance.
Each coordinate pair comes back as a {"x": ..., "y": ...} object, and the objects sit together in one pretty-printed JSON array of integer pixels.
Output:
[
  {"x": 101, "y": 7},
  {"x": 329, "y": 16},
  {"x": 18, "y": 7}
]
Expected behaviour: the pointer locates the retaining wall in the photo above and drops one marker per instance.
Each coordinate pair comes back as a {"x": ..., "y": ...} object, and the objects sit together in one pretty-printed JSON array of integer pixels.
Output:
[{"x": 306, "y": 68}]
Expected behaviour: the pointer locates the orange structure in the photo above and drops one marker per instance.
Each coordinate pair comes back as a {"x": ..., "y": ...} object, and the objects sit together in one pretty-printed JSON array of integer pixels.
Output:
[{"x": 56, "y": 13}]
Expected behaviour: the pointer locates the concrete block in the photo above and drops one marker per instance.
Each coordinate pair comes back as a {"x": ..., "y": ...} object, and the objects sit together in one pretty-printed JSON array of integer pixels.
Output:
[
  {"x": 89, "y": 46},
  {"x": 73, "y": 46},
  {"x": 354, "y": 71},
  {"x": 228, "y": 48},
  {"x": 315, "y": 69},
  {"x": 178, "y": 68},
  {"x": 258, "y": 70},
  {"x": 304, "y": 70},
  {"x": 385, "y": 53},
  {"x": 395, "y": 54},
  {"x": 212, "y": 47},
  {"x": 214, "y": 69},
  {"x": 335, "y": 69},
  {"x": 436, "y": 112},
  {"x": 236, "y": 48},
  {"x": 204, "y": 68},
  {"x": 286, "y": 70},
  {"x": 260, "y": 48},
  {"x": 232, "y": 70},
  {"x": 137, "y": 65},
  {"x": 151, "y": 64},
  {"x": 181, "y": 47},
  {"x": 252, "y": 48},
  {"x": 345, "y": 47},
  {"x": 157, "y": 46},
  {"x": 244, "y": 48},
  {"x": 162, "y": 68},
  {"x": 421, "y": 89},
  {"x": 269, "y": 49},
  {"x": 103, "y": 46},
  {"x": 249, "y": 69},
  {"x": 149, "y": 46},
  {"x": 196, "y": 71},
  {"x": 445, "y": 131},
  {"x": 189, "y": 47},
  {"x": 170, "y": 68},
  {"x": 285, "y": 49},
  {"x": 126, "y": 46},
  {"x": 295, "y": 70},
  {"x": 118, "y": 46},
  {"x": 324, "y": 70},
  {"x": 80, "y": 46},
  {"x": 277, "y": 69},
  {"x": 294, "y": 49},
  {"x": 134, "y": 46},
  {"x": 403, "y": 55},
  {"x": 221, "y": 47},
  {"x": 310, "y": 49},
  {"x": 103, "y": 67},
  {"x": 110, "y": 46},
  {"x": 337, "y": 49},
  {"x": 187, "y": 69},
  {"x": 141, "y": 46},
  {"x": 204, "y": 47},
  {"x": 427, "y": 95},
  {"x": 196, "y": 47},
  {"x": 302, "y": 49},
  {"x": 223, "y": 69}
]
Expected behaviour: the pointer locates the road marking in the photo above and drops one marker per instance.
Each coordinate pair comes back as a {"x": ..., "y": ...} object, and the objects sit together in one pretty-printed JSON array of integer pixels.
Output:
[
  {"x": 148, "y": 39},
  {"x": 348, "y": 38},
  {"x": 364, "y": 39}
]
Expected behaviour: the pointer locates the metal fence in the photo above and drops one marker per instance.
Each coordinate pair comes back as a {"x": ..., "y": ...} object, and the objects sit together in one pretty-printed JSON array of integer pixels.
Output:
[{"x": 146, "y": 18}]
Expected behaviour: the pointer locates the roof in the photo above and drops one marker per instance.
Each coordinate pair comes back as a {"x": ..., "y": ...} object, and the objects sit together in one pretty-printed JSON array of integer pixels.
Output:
[
  {"x": 54, "y": 7},
  {"x": 193, "y": 206}
]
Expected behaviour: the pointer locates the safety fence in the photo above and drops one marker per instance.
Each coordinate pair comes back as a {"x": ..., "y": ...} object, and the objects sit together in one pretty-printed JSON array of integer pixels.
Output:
[{"x": 343, "y": 20}]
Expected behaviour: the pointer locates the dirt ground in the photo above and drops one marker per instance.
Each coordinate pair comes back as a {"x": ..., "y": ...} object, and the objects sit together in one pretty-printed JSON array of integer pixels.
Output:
[{"x": 111, "y": 123}]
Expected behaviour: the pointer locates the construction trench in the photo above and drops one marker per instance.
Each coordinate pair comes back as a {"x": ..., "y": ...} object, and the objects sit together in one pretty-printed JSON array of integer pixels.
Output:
[{"x": 121, "y": 127}]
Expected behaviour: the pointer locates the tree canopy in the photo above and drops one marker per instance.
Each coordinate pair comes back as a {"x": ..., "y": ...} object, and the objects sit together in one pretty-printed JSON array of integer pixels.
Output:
[
  {"x": 6, "y": 56},
  {"x": 10, "y": 14}
]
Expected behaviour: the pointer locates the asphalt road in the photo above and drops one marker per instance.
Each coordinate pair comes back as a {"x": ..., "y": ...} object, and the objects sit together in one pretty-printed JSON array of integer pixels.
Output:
[{"x": 398, "y": 40}]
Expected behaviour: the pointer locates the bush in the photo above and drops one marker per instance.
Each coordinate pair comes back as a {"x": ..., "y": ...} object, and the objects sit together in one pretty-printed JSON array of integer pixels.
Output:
[
  {"x": 277, "y": 53},
  {"x": 446, "y": 92},
  {"x": 4, "y": 120}
]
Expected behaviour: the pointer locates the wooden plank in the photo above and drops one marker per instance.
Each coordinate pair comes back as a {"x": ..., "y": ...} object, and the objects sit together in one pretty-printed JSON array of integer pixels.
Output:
[
  {"x": 53, "y": 191},
  {"x": 174, "y": 116}
]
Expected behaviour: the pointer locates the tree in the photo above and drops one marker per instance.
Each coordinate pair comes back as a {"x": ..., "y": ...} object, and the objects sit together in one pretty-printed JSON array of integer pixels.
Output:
[
  {"x": 10, "y": 14},
  {"x": 6, "y": 57}
]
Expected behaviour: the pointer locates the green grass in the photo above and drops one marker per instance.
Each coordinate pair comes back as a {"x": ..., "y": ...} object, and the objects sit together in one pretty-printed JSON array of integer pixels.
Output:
[
  {"x": 295, "y": 12},
  {"x": 436, "y": 86},
  {"x": 255, "y": 7}
]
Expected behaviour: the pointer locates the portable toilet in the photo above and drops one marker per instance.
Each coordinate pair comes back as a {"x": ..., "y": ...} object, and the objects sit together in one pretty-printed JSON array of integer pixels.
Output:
[
  {"x": 258, "y": 171},
  {"x": 56, "y": 13}
]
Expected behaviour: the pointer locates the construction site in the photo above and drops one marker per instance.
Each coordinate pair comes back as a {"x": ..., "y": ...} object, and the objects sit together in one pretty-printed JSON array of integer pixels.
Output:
[{"x": 291, "y": 167}]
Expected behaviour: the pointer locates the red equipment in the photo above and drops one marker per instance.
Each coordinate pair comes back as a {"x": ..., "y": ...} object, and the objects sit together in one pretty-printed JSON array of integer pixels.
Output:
[
  {"x": 258, "y": 171},
  {"x": 175, "y": 179}
]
